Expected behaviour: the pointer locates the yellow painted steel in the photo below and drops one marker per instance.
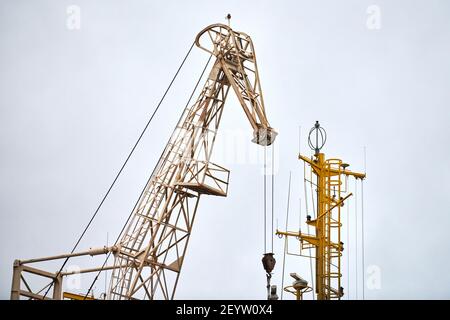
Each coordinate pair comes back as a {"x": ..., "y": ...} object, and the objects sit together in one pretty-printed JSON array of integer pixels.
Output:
[
  {"x": 327, "y": 238},
  {"x": 74, "y": 296}
]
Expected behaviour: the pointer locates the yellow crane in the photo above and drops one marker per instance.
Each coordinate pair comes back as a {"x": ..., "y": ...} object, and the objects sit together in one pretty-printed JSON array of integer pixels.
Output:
[
  {"x": 326, "y": 241},
  {"x": 149, "y": 256}
]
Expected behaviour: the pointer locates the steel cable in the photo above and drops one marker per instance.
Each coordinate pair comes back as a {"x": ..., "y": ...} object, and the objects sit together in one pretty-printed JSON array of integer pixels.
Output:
[
  {"x": 121, "y": 169},
  {"x": 286, "y": 239},
  {"x": 143, "y": 190}
]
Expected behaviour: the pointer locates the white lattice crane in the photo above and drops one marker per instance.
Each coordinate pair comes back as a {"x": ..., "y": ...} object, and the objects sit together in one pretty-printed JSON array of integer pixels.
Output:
[{"x": 149, "y": 255}]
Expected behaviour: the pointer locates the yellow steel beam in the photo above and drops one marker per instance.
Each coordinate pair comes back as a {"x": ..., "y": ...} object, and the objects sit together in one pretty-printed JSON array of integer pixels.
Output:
[
  {"x": 301, "y": 236},
  {"x": 335, "y": 172},
  {"x": 335, "y": 205}
]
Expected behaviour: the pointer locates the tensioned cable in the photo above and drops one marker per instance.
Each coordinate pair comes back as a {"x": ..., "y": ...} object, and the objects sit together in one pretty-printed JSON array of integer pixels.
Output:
[
  {"x": 299, "y": 199},
  {"x": 348, "y": 250},
  {"x": 265, "y": 202},
  {"x": 273, "y": 185},
  {"x": 143, "y": 190},
  {"x": 285, "y": 239},
  {"x": 299, "y": 139},
  {"x": 307, "y": 228},
  {"x": 123, "y": 165},
  {"x": 120, "y": 234},
  {"x": 356, "y": 238},
  {"x": 306, "y": 207},
  {"x": 362, "y": 226},
  {"x": 106, "y": 272},
  {"x": 365, "y": 159},
  {"x": 121, "y": 169},
  {"x": 312, "y": 196},
  {"x": 362, "y": 236},
  {"x": 306, "y": 189},
  {"x": 300, "y": 215}
]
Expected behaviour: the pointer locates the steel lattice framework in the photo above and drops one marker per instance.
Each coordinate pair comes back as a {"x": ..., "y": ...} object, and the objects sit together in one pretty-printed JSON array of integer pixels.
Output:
[
  {"x": 149, "y": 256},
  {"x": 154, "y": 245}
]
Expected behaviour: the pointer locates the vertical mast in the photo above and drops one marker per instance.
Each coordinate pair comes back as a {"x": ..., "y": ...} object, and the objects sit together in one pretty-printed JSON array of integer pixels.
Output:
[{"x": 326, "y": 240}]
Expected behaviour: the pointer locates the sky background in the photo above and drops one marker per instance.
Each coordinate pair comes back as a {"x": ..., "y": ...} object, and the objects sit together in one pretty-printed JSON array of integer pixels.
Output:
[{"x": 73, "y": 102}]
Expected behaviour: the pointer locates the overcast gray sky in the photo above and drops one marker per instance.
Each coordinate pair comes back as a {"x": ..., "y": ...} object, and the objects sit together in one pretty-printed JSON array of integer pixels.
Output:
[{"x": 72, "y": 103}]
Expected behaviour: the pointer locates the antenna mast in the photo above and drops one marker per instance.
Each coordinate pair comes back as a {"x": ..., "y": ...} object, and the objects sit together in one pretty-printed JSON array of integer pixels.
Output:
[{"x": 327, "y": 241}]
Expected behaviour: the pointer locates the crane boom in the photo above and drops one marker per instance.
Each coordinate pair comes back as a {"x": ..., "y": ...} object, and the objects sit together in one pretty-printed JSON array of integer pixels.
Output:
[{"x": 149, "y": 257}]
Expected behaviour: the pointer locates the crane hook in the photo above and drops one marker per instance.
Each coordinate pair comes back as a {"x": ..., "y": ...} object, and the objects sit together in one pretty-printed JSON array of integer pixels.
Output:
[{"x": 268, "y": 262}]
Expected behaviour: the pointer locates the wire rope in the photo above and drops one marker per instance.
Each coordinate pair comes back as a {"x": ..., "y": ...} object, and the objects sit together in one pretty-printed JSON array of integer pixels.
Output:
[
  {"x": 265, "y": 201},
  {"x": 362, "y": 238},
  {"x": 348, "y": 250},
  {"x": 285, "y": 239},
  {"x": 356, "y": 239},
  {"x": 143, "y": 190},
  {"x": 122, "y": 167},
  {"x": 273, "y": 187}
]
